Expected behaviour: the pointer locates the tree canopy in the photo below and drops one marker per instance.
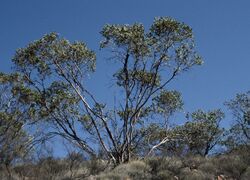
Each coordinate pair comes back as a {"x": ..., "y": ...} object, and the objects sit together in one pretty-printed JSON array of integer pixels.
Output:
[{"x": 50, "y": 84}]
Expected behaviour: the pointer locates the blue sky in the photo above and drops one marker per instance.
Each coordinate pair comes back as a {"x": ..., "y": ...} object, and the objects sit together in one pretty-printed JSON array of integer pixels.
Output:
[{"x": 221, "y": 29}]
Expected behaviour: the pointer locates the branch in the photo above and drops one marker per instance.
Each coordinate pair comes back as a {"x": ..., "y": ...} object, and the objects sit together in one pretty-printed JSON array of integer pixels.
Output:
[{"x": 166, "y": 139}]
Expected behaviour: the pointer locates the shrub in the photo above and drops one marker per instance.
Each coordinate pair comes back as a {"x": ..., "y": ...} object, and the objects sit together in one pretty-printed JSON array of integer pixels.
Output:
[
  {"x": 193, "y": 162},
  {"x": 112, "y": 176},
  {"x": 154, "y": 164},
  {"x": 162, "y": 175},
  {"x": 25, "y": 170},
  {"x": 231, "y": 165},
  {"x": 172, "y": 164},
  {"x": 188, "y": 174},
  {"x": 95, "y": 166},
  {"x": 246, "y": 174},
  {"x": 208, "y": 167},
  {"x": 134, "y": 169}
]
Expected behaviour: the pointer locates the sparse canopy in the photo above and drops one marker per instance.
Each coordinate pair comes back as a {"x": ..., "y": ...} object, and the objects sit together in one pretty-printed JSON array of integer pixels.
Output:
[
  {"x": 198, "y": 136},
  {"x": 203, "y": 133},
  {"x": 240, "y": 108},
  {"x": 52, "y": 70},
  {"x": 15, "y": 142}
]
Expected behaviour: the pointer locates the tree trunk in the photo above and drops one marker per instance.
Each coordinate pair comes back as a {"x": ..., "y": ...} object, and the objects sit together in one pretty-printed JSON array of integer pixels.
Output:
[{"x": 8, "y": 171}]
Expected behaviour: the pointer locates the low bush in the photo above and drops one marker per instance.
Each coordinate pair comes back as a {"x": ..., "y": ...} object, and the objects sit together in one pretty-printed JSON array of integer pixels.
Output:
[
  {"x": 232, "y": 166},
  {"x": 193, "y": 162},
  {"x": 246, "y": 174},
  {"x": 168, "y": 164},
  {"x": 209, "y": 167},
  {"x": 188, "y": 174},
  {"x": 111, "y": 176},
  {"x": 96, "y": 166},
  {"x": 165, "y": 174},
  {"x": 134, "y": 169}
]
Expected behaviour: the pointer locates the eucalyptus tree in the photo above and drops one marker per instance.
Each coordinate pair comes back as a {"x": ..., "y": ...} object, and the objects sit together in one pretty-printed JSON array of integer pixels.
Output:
[
  {"x": 240, "y": 130},
  {"x": 15, "y": 142},
  {"x": 203, "y": 133},
  {"x": 158, "y": 135},
  {"x": 198, "y": 136},
  {"x": 53, "y": 72}
]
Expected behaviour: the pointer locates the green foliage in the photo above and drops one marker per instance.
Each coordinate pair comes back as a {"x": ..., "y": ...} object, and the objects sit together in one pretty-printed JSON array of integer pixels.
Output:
[
  {"x": 164, "y": 175},
  {"x": 198, "y": 167},
  {"x": 240, "y": 131},
  {"x": 168, "y": 102},
  {"x": 164, "y": 25},
  {"x": 203, "y": 132},
  {"x": 48, "y": 88},
  {"x": 231, "y": 166},
  {"x": 234, "y": 165},
  {"x": 12, "y": 137},
  {"x": 193, "y": 162},
  {"x": 48, "y": 82},
  {"x": 174, "y": 167},
  {"x": 131, "y": 37},
  {"x": 167, "y": 40},
  {"x": 44, "y": 60},
  {"x": 164, "y": 168},
  {"x": 5, "y": 78},
  {"x": 142, "y": 77},
  {"x": 43, "y": 54},
  {"x": 198, "y": 136},
  {"x": 144, "y": 113},
  {"x": 208, "y": 166},
  {"x": 14, "y": 140}
]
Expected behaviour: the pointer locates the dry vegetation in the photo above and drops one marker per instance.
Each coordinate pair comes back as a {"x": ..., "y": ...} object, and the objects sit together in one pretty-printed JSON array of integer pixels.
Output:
[
  {"x": 46, "y": 96},
  {"x": 233, "y": 165}
]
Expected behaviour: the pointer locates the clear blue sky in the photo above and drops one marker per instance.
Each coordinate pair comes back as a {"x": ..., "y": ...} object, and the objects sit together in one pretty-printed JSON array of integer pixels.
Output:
[{"x": 221, "y": 29}]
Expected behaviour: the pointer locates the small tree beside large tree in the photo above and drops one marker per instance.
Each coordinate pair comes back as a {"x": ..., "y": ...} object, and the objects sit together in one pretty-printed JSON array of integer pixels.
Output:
[
  {"x": 15, "y": 141},
  {"x": 240, "y": 130}
]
